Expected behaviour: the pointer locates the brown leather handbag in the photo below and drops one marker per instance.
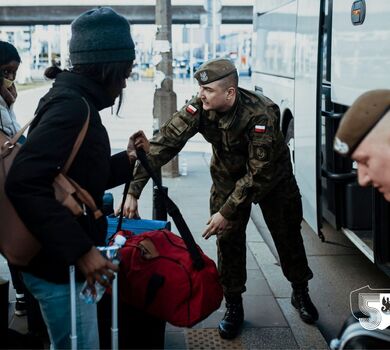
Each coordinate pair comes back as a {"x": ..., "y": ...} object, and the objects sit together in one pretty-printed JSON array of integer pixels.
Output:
[{"x": 17, "y": 243}]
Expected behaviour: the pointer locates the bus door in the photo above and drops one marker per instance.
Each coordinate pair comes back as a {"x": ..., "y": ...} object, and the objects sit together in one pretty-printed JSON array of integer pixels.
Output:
[
  {"x": 307, "y": 109},
  {"x": 358, "y": 62}
]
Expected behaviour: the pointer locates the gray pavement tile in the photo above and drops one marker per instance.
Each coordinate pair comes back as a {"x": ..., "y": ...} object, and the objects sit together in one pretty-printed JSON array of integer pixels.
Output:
[
  {"x": 334, "y": 279},
  {"x": 268, "y": 338},
  {"x": 252, "y": 234},
  {"x": 175, "y": 340},
  {"x": 280, "y": 286},
  {"x": 271, "y": 270},
  {"x": 258, "y": 220},
  {"x": 262, "y": 311},
  {"x": 251, "y": 263},
  {"x": 262, "y": 253},
  {"x": 336, "y": 243},
  {"x": 307, "y": 336},
  {"x": 171, "y": 328},
  {"x": 213, "y": 320},
  {"x": 256, "y": 284}
]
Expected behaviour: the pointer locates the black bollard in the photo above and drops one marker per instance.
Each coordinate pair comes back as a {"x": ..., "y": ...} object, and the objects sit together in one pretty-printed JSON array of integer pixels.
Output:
[{"x": 159, "y": 209}]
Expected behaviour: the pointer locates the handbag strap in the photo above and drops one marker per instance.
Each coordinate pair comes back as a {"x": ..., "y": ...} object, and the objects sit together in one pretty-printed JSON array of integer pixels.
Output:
[
  {"x": 79, "y": 140},
  {"x": 82, "y": 194},
  {"x": 76, "y": 146},
  {"x": 14, "y": 139},
  {"x": 174, "y": 212}
]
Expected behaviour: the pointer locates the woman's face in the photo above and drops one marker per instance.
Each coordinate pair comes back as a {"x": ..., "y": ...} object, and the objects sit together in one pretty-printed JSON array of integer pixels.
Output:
[
  {"x": 116, "y": 89},
  {"x": 9, "y": 70}
]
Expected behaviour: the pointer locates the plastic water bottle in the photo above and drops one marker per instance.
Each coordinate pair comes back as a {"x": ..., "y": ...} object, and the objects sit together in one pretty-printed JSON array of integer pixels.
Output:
[{"x": 93, "y": 294}]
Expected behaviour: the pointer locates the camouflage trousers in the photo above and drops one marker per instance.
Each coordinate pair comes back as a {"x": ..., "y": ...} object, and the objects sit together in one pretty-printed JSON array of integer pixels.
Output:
[{"x": 282, "y": 211}]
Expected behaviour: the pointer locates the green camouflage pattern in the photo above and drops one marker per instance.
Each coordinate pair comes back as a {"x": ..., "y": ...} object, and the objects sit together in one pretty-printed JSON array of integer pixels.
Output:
[
  {"x": 250, "y": 162},
  {"x": 245, "y": 165}
]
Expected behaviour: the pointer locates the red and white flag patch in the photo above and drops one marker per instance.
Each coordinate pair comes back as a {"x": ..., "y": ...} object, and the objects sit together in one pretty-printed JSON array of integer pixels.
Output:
[
  {"x": 259, "y": 128},
  {"x": 191, "y": 109}
]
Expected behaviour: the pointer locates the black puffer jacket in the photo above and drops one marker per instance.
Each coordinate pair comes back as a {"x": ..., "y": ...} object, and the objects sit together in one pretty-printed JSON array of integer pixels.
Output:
[{"x": 62, "y": 114}]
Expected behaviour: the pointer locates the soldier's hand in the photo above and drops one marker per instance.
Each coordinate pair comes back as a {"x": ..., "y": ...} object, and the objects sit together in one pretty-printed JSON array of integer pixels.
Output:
[
  {"x": 216, "y": 225},
  {"x": 130, "y": 209},
  {"x": 136, "y": 141}
]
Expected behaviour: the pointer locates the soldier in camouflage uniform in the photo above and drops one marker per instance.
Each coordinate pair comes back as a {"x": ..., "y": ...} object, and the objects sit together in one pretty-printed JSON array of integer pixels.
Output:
[{"x": 250, "y": 164}]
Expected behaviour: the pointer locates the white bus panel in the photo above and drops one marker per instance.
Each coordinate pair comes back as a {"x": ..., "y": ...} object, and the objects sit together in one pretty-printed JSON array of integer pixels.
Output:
[
  {"x": 305, "y": 121},
  {"x": 360, "y": 53}
]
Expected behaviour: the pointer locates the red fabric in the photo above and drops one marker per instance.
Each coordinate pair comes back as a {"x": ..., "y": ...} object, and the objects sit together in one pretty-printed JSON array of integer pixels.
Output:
[{"x": 186, "y": 297}]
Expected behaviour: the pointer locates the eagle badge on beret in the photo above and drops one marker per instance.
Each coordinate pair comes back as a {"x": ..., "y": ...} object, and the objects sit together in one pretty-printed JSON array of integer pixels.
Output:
[
  {"x": 203, "y": 76},
  {"x": 340, "y": 146}
]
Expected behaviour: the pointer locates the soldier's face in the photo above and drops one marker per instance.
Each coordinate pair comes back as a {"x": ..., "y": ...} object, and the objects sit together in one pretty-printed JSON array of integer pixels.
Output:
[
  {"x": 373, "y": 158},
  {"x": 214, "y": 97}
]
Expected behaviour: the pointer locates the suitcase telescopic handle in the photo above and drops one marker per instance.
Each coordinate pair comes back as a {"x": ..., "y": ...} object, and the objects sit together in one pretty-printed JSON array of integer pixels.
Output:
[{"x": 174, "y": 212}]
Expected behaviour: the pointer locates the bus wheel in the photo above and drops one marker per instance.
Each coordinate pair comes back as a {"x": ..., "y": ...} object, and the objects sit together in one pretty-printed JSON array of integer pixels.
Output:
[{"x": 289, "y": 139}]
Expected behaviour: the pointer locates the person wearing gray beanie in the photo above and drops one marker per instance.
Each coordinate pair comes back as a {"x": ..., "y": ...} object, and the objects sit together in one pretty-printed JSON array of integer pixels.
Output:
[
  {"x": 102, "y": 53},
  {"x": 101, "y": 35}
]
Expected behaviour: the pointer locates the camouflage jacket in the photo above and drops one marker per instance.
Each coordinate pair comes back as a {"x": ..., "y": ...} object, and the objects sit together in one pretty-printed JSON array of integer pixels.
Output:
[{"x": 249, "y": 156}]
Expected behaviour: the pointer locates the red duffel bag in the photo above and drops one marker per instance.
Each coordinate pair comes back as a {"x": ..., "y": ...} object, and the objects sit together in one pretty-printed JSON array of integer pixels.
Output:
[{"x": 157, "y": 275}]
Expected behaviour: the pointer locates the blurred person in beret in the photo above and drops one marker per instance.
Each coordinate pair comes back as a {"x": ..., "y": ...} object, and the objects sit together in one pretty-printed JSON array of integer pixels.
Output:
[
  {"x": 250, "y": 164},
  {"x": 364, "y": 135}
]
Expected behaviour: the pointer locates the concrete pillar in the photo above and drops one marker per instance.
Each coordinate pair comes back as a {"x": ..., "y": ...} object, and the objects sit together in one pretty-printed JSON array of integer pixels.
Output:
[
  {"x": 63, "y": 46},
  {"x": 212, "y": 23},
  {"x": 164, "y": 96}
]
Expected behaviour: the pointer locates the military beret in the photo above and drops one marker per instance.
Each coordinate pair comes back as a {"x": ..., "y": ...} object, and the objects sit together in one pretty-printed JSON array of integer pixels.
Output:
[
  {"x": 360, "y": 119},
  {"x": 214, "y": 70}
]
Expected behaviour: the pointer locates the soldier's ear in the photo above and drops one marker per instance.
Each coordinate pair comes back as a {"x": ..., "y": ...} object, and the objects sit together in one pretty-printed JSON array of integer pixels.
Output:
[{"x": 230, "y": 93}]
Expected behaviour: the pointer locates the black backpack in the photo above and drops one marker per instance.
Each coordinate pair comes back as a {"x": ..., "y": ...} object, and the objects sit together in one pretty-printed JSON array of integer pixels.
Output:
[{"x": 354, "y": 336}]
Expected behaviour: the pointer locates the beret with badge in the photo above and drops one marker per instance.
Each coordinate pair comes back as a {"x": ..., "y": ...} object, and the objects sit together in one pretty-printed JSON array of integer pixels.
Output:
[
  {"x": 360, "y": 119},
  {"x": 214, "y": 70}
]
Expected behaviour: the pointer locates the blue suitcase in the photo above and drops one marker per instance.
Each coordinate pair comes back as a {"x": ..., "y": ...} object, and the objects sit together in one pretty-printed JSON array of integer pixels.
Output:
[{"x": 135, "y": 225}]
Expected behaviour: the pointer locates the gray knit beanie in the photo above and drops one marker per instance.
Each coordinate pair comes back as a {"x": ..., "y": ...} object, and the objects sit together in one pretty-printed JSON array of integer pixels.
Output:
[{"x": 101, "y": 35}]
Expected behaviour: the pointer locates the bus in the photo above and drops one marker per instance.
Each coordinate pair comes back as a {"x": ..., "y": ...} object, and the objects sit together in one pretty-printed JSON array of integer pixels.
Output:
[{"x": 314, "y": 58}]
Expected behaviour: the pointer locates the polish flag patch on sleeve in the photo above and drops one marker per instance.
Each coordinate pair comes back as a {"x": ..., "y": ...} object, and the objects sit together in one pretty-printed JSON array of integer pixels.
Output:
[
  {"x": 259, "y": 128},
  {"x": 191, "y": 109}
]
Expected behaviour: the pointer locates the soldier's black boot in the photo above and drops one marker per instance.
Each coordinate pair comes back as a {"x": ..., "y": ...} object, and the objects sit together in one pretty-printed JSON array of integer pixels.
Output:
[
  {"x": 231, "y": 323},
  {"x": 300, "y": 299}
]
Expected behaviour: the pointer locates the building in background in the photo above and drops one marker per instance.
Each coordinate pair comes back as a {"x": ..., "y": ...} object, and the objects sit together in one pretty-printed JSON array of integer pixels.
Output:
[{"x": 40, "y": 46}]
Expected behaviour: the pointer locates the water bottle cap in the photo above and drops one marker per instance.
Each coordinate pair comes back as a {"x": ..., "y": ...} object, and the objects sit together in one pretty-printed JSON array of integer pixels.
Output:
[{"x": 119, "y": 240}]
